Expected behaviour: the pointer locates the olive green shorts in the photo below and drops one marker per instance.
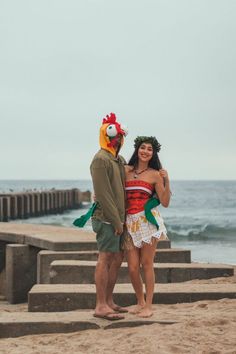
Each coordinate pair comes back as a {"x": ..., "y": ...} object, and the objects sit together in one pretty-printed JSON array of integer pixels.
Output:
[{"x": 107, "y": 241}]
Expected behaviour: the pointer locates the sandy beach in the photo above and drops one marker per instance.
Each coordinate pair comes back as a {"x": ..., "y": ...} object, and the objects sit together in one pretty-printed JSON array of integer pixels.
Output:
[{"x": 201, "y": 327}]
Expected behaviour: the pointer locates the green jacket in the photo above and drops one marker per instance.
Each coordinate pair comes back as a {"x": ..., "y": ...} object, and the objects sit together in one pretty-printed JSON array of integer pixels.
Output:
[{"x": 108, "y": 175}]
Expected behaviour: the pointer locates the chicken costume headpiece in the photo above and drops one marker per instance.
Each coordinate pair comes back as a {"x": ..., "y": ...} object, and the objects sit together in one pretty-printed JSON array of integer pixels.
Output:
[{"x": 109, "y": 133}]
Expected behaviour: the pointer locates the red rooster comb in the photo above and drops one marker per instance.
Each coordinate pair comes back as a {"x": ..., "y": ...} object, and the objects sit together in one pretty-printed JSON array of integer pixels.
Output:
[{"x": 109, "y": 119}]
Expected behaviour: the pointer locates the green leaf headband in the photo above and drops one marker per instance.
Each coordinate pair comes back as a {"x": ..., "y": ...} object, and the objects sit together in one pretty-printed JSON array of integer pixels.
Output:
[{"x": 147, "y": 139}]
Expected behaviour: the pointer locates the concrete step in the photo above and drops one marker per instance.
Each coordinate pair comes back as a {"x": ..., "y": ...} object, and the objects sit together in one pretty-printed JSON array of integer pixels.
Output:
[
  {"x": 82, "y": 272},
  {"x": 27, "y": 323},
  {"x": 54, "y": 238},
  {"x": 45, "y": 258},
  {"x": 60, "y": 297}
]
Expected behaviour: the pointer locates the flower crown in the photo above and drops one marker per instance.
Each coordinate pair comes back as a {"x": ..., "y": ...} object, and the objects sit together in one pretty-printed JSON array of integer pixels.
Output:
[{"x": 147, "y": 139}]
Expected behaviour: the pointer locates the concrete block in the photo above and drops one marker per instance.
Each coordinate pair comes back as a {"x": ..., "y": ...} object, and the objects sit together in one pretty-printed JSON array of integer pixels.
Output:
[
  {"x": 172, "y": 255},
  {"x": 2, "y": 268},
  {"x": 1, "y": 208},
  {"x": 22, "y": 324},
  {"x": 28, "y": 323},
  {"x": 2, "y": 255},
  {"x": 60, "y": 297},
  {"x": 21, "y": 271},
  {"x": 45, "y": 258},
  {"x": 82, "y": 272},
  {"x": 51, "y": 237},
  {"x": 79, "y": 272},
  {"x": 164, "y": 244}
]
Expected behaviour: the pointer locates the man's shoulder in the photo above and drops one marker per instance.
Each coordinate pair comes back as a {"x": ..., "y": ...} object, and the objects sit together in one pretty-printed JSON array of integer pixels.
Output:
[
  {"x": 122, "y": 159},
  {"x": 100, "y": 158}
]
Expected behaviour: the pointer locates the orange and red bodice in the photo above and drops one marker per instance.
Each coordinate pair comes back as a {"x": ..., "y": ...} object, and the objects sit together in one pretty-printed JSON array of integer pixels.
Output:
[{"x": 137, "y": 194}]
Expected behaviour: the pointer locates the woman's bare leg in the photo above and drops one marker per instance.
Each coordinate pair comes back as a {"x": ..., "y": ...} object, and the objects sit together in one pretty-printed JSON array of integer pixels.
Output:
[
  {"x": 133, "y": 259},
  {"x": 147, "y": 257}
]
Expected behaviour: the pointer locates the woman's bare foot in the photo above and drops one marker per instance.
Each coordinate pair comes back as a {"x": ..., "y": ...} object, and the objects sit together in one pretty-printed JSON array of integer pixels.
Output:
[
  {"x": 136, "y": 309},
  {"x": 146, "y": 311}
]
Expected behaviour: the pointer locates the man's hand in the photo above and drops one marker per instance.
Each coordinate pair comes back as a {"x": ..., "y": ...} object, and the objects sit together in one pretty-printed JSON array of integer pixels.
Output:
[{"x": 119, "y": 231}]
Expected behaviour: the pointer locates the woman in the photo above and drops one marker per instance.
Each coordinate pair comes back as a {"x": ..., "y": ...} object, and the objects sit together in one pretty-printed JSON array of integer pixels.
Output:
[{"x": 144, "y": 178}]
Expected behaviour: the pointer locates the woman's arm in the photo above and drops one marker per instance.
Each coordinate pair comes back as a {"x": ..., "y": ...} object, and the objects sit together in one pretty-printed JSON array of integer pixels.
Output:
[{"x": 162, "y": 187}]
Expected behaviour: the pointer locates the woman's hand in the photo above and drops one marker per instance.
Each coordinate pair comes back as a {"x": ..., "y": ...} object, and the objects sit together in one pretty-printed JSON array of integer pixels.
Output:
[
  {"x": 164, "y": 174},
  {"x": 162, "y": 187}
]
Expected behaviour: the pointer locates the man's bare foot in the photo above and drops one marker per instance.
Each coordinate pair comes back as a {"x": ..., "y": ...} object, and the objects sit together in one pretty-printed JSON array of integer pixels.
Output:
[
  {"x": 117, "y": 308},
  {"x": 100, "y": 310},
  {"x": 136, "y": 309},
  {"x": 145, "y": 312},
  {"x": 109, "y": 316}
]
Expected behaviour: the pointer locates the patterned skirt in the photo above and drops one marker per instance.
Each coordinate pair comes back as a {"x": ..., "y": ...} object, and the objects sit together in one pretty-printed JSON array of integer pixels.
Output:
[{"x": 139, "y": 230}]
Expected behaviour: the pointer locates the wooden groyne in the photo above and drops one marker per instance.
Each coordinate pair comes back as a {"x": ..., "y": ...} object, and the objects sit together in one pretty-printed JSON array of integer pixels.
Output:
[{"x": 23, "y": 205}]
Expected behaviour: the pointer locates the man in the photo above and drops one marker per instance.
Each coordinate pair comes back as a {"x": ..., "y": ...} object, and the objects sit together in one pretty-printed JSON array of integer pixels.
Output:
[{"x": 108, "y": 175}]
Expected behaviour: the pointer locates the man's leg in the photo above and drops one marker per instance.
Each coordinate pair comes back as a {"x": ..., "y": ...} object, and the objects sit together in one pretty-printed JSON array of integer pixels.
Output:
[
  {"x": 101, "y": 281},
  {"x": 117, "y": 259}
]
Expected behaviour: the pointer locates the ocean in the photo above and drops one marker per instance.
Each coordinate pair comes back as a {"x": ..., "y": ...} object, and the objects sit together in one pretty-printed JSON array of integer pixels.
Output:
[{"x": 201, "y": 216}]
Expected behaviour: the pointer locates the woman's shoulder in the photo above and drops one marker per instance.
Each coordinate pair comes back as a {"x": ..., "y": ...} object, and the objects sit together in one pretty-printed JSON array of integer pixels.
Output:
[
  {"x": 153, "y": 172},
  {"x": 154, "y": 176},
  {"x": 128, "y": 168}
]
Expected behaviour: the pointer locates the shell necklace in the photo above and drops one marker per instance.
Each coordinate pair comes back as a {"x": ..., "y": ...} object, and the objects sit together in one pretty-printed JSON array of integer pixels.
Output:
[{"x": 136, "y": 173}]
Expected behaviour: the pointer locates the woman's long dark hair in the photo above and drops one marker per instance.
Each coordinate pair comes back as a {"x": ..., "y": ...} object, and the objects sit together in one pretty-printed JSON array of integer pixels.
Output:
[{"x": 154, "y": 163}]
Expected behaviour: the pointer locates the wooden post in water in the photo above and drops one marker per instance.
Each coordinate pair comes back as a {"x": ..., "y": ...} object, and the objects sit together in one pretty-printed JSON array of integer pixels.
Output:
[
  {"x": 42, "y": 204},
  {"x": 6, "y": 208},
  {"x": 13, "y": 206},
  {"x": 31, "y": 203},
  {"x": 47, "y": 202},
  {"x": 25, "y": 206},
  {"x": 20, "y": 206},
  {"x": 34, "y": 203},
  {"x": 37, "y": 203}
]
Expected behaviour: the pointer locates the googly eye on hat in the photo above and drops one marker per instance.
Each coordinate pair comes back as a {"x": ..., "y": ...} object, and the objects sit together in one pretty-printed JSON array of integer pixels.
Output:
[{"x": 111, "y": 131}]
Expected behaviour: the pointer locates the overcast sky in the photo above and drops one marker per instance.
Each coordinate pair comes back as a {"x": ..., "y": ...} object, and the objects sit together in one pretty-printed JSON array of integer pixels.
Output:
[{"x": 166, "y": 68}]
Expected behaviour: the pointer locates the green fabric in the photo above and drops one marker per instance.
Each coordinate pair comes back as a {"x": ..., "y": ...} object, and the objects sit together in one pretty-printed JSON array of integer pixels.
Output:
[
  {"x": 107, "y": 241},
  {"x": 151, "y": 203},
  {"x": 80, "y": 222}
]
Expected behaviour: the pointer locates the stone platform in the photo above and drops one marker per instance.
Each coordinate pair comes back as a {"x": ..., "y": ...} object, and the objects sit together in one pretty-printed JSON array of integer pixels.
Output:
[
  {"x": 45, "y": 258},
  {"x": 82, "y": 272},
  {"x": 21, "y": 324},
  {"x": 68, "y": 297}
]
